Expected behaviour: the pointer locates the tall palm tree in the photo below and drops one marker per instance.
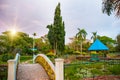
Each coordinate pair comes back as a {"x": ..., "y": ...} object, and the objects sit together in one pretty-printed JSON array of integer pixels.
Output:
[
  {"x": 81, "y": 36},
  {"x": 110, "y": 6},
  {"x": 94, "y": 36}
]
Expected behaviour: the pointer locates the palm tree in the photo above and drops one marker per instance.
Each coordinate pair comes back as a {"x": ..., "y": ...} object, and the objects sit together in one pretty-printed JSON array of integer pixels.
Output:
[
  {"x": 110, "y": 6},
  {"x": 34, "y": 34},
  {"x": 94, "y": 36},
  {"x": 81, "y": 36}
]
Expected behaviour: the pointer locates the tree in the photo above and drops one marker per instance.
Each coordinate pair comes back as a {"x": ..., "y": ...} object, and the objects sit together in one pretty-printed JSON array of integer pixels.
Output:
[
  {"x": 19, "y": 43},
  {"x": 56, "y": 34},
  {"x": 23, "y": 43},
  {"x": 74, "y": 43},
  {"x": 51, "y": 35},
  {"x": 42, "y": 44},
  {"x": 109, "y": 42},
  {"x": 110, "y": 6},
  {"x": 94, "y": 36},
  {"x": 81, "y": 36},
  {"x": 118, "y": 43}
]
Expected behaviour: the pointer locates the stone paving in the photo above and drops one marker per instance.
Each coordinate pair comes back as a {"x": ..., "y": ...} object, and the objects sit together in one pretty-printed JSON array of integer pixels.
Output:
[{"x": 31, "y": 72}]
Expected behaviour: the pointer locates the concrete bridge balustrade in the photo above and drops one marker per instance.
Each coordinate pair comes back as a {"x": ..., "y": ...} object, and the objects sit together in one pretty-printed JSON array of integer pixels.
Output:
[{"x": 55, "y": 72}]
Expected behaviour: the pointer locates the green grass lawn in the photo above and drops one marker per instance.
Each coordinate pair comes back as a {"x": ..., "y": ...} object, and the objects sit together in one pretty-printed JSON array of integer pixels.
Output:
[
  {"x": 22, "y": 59},
  {"x": 79, "y": 70},
  {"x": 1, "y": 62},
  {"x": 25, "y": 58}
]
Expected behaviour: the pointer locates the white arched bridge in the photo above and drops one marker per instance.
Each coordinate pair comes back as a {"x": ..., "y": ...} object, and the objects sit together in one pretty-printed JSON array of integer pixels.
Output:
[{"x": 41, "y": 69}]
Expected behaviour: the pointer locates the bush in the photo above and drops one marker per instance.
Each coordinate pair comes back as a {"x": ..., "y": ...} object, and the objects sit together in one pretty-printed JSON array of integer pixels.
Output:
[
  {"x": 50, "y": 54},
  {"x": 68, "y": 51},
  {"x": 77, "y": 52},
  {"x": 25, "y": 58},
  {"x": 96, "y": 72},
  {"x": 71, "y": 73},
  {"x": 6, "y": 57},
  {"x": 115, "y": 69}
]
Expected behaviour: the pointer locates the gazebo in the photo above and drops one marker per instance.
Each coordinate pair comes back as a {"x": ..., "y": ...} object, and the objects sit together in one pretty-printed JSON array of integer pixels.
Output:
[{"x": 97, "y": 46}]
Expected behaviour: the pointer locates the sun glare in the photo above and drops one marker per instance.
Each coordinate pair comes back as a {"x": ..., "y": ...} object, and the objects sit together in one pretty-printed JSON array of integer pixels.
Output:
[{"x": 13, "y": 32}]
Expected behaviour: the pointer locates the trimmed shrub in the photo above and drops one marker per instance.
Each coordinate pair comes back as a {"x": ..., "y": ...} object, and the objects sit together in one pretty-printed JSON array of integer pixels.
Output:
[
  {"x": 115, "y": 69},
  {"x": 6, "y": 57}
]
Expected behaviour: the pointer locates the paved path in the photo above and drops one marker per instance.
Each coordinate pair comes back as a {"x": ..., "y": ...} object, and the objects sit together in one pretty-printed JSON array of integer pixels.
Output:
[{"x": 31, "y": 72}]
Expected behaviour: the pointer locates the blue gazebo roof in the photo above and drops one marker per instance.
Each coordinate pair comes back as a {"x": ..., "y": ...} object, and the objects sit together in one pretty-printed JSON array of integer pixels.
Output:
[{"x": 98, "y": 45}]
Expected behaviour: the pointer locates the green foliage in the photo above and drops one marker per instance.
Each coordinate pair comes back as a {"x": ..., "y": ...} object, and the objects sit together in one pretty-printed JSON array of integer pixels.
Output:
[
  {"x": 97, "y": 65},
  {"x": 80, "y": 70},
  {"x": 115, "y": 69},
  {"x": 109, "y": 42},
  {"x": 110, "y": 6},
  {"x": 21, "y": 42},
  {"x": 111, "y": 55},
  {"x": 50, "y": 54},
  {"x": 68, "y": 51},
  {"x": 42, "y": 44},
  {"x": 6, "y": 57},
  {"x": 94, "y": 36},
  {"x": 77, "y": 52},
  {"x": 56, "y": 34},
  {"x": 80, "y": 38},
  {"x": 3, "y": 72},
  {"x": 81, "y": 35},
  {"x": 96, "y": 72},
  {"x": 25, "y": 58},
  {"x": 118, "y": 43},
  {"x": 71, "y": 72},
  {"x": 51, "y": 35}
]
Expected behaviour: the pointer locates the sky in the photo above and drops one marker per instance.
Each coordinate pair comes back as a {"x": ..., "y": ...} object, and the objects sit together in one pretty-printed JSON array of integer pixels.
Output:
[{"x": 31, "y": 16}]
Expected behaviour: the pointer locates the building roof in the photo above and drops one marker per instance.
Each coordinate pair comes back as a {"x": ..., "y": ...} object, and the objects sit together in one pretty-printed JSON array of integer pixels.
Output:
[{"x": 98, "y": 45}]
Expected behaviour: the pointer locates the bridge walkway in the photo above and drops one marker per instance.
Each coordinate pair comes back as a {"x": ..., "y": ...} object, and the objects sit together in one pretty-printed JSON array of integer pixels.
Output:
[{"x": 31, "y": 72}]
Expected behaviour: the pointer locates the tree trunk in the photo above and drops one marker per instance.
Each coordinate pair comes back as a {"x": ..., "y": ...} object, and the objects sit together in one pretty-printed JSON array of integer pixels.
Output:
[{"x": 81, "y": 47}]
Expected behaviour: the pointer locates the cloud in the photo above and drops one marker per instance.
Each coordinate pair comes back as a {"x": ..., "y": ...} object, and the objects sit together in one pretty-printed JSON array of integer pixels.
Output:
[
  {"x": 3, "y": 6},
  {"x": 116, "y": 24},
  {"x": 34, "y": 15},
  {"x": 36, "y": 22}
]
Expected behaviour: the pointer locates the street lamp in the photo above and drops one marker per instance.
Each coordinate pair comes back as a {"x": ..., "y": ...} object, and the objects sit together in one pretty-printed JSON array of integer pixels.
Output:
[{"x": 34, "y": 34}]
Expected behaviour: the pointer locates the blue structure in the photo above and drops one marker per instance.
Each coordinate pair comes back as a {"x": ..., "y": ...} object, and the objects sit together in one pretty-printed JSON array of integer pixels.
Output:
[{"x": 97, "y": 46}]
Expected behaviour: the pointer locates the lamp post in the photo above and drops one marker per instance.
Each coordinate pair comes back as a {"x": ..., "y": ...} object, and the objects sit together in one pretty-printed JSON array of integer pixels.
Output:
[{"x": 34, "y": 34}]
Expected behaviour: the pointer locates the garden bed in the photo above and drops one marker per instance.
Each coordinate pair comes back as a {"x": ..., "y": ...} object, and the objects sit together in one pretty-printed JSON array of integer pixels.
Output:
[{"x": 3, "y": 71}]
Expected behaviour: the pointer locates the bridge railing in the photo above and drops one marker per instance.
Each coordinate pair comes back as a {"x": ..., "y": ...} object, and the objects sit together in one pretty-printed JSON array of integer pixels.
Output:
[
  {"x": 12, "y": 67},
  {"x": 47, "y": 65},
  {"x": 55, "y": 72}
]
